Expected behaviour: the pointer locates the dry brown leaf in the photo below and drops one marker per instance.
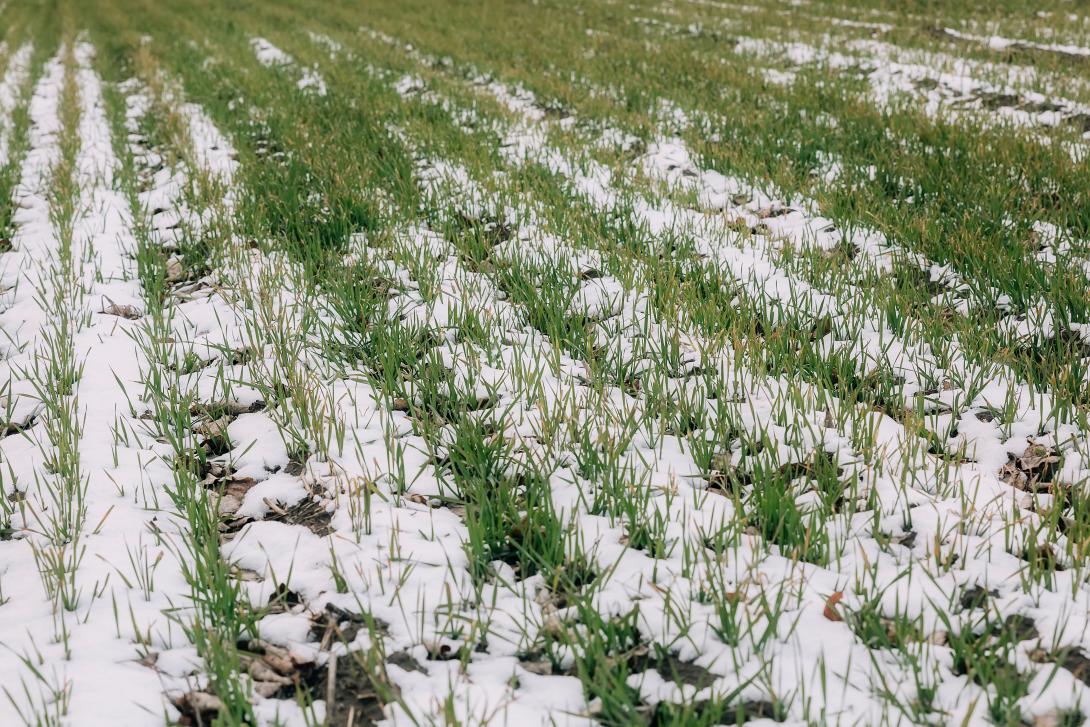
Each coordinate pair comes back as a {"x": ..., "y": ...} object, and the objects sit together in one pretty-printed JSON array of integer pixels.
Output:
[
  {"x": 122, "y": 311},
  {"x": 830, "y": 606}
]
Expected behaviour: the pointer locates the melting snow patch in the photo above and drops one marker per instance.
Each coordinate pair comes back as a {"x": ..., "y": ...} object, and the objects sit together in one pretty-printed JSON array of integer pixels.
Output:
[{"x": 271, "y": 56}]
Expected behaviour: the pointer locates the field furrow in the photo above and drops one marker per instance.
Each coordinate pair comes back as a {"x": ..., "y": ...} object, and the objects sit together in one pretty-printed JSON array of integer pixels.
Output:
[
  {"x": 780, "y": 224},
  {"x": 83, "y": 480}
]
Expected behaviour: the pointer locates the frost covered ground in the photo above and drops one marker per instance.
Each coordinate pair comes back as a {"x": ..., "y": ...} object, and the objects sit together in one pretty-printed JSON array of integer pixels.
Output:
[{"x": 666, "y": 362}]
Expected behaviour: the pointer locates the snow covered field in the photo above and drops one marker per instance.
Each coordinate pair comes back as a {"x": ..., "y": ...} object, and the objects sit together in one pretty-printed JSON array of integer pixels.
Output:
[{"x": 665, "y": 362}]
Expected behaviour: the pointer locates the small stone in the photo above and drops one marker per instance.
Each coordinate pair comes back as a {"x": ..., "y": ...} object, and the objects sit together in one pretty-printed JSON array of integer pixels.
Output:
[
  {"x": 174, "y": 269},
  {"x": 589, "y": 273},
  {"x": 543, "y": 667},
  {"x": 438, "y": 651},
  {"x": 202, "y": 705}
]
